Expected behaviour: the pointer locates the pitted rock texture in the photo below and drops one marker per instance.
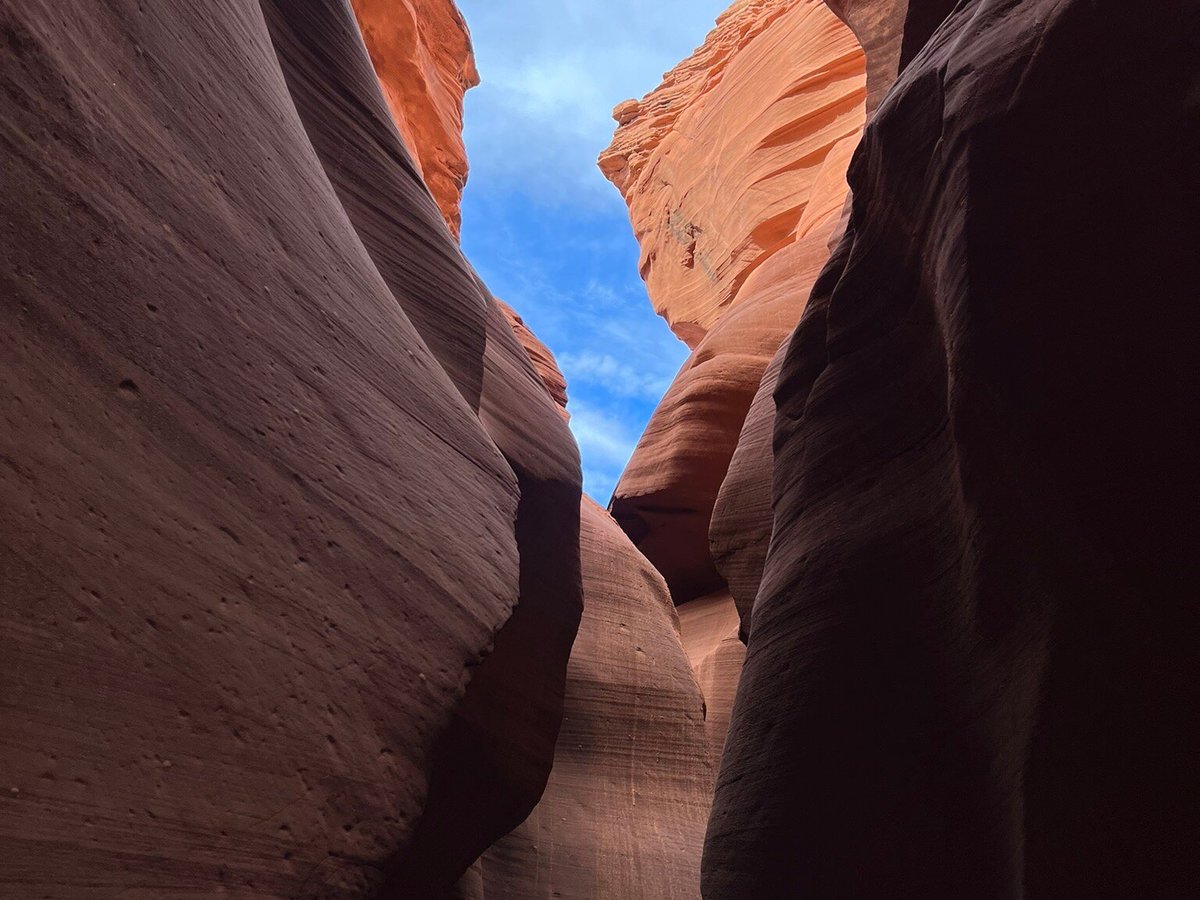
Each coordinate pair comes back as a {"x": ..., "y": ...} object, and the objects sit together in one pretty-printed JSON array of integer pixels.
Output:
[
  {"x": 626, "y": 806},
  {"x": 972, "y": 666},
  {"x": 276, "y": 466},
  {"x": 770, "y": 195},
  {"x": 422, "y": 53}
]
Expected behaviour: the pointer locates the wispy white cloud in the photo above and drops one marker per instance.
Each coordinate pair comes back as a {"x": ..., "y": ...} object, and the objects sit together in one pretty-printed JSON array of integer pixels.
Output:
[
  {"x": 607, "y": 440},
  {"x": 545, "y": 230},
  {"x": 622, "y": 379},
  {"x": 552, "y": 72},
  {"x": 605, "y": 443}
]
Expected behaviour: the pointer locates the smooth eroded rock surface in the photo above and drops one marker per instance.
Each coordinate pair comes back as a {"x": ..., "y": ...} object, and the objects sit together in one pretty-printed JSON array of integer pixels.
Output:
[
  {"x": 492, "y": 763},
  {"x": 742, "y": 520},
  {"x": 734, "y": 225},
  {"x": 972, "y": 667},
  {"x": 625, "y": 809},
  {"x": 709, "y": 628},
  {"x": 255, "y": 539}
]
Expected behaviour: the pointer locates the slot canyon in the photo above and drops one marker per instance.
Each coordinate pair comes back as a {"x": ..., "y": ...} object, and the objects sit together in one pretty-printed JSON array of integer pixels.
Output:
[{"x": 301, "y": 592}]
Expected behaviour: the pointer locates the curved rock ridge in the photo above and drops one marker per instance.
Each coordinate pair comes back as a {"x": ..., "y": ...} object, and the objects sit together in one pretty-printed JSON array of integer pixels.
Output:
[
  {"x": 492, "y": 764},
  {"x": 288, "y": 522},
  {"x": 626, "y": 806},
  {"x": 421, "y": 50},
  {"x": 973, "y": 667},
  {"x": 666, "y": 496},
  {"x": 766, "y": 198},
  {"x": 891, "y": 32},
  {"x": 501, "y": 742},
  {"x": 624, "y": 812},
  {"x": 742, "y": 519}
]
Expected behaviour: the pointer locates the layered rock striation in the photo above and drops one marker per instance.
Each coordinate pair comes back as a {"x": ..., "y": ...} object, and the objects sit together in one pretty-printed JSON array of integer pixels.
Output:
[
  {"x": 942, "y": 510},
  {"x": 301, "y": 595},
  {"x": 709, "y": 203},
  {"x": 624, "y": 812},
  {"x": 734, "y": 224},
  {"x": 292, "y": 541},
  {"x": 626, "y": 806},
  {"x": 277, "y": 466}
]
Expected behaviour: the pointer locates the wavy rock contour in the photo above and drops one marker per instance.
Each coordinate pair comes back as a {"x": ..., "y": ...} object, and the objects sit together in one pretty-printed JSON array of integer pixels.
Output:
[
  {"x": 734, "y": 223},
  {"x": 276, "y": 466},
  {"x": 625, "y": 809},
  {"x": 971, "y": 669}
]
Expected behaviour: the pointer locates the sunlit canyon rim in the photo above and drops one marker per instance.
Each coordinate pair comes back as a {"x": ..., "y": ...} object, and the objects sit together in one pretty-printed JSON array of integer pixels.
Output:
[{"x": 301, "y": 597}]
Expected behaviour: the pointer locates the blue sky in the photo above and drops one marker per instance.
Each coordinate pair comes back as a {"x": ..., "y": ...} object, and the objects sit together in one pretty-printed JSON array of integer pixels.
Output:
[{"x": 543, "y": 227}]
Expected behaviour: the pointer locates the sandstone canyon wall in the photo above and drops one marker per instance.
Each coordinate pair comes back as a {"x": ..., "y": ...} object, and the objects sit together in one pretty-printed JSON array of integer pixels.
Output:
[
  {"x": 972, "y": 660},
  {"x": 625, "y": 810},
  {"x": 422, "y": 54},
  {"x": 950, "y": 520},
  {"x": 300, "y": 594},
  {"x": 292, "y": 543},
  {"x": 733, "y": 170}
]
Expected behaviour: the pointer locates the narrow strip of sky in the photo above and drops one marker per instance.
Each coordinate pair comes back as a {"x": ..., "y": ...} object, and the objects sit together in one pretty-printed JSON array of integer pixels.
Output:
[{"x": 544, "y": 228}]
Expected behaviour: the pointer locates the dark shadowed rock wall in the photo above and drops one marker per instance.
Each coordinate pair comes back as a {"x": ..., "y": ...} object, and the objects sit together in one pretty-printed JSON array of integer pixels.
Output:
[{"x": 972, "y": 668}]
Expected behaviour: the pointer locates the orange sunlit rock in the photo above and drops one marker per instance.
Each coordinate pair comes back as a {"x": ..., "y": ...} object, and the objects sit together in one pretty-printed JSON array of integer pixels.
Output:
[
  {"x": 422, "y": 53},
  {"x": 734, "y": 172}
]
